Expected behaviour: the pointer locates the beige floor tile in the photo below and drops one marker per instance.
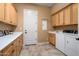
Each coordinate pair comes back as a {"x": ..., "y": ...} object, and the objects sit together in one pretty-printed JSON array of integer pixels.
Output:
[{"x": 40, "y": 50}]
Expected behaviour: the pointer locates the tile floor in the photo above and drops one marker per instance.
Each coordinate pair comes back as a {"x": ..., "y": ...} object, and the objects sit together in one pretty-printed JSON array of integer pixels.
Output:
[{"x": 40, "y": 50}]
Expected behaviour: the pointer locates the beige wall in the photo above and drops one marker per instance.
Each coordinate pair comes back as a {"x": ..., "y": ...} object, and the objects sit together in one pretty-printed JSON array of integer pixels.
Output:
[{"x": 42, "y": 12}]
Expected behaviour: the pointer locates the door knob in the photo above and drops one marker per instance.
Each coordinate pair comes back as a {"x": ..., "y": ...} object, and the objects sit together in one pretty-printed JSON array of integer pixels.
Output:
[{"x": 25, "y": 31}]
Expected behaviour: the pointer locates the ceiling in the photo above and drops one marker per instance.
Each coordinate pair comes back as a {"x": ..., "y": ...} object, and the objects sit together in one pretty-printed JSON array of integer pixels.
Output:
[{"x": 45, "y": 4}]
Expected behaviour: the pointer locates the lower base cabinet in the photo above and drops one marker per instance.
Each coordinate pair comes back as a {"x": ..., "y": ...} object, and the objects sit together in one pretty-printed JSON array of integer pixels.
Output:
[
  {"x": 52, "y": 38},
  {"x": 14, "y": 48}
]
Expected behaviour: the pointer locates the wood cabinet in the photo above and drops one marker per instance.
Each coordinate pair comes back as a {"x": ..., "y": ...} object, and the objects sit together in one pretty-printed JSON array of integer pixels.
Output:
[
  {"x": 67, "y": 16},
  {"x": 2, "y": 11},
  {"x": 10, "y": 14},
  {"x": 14, "y": 48},
  {"x": 55, "y": 20},
  {"x": 9, "y": 51},
  {"x": 51, "y": 38},
  {"x": 61, "y": 18},
  {"x": 74, "y": 13},
  {"x": 13, "y": 15},
  {"x": 18, "y": 45}
]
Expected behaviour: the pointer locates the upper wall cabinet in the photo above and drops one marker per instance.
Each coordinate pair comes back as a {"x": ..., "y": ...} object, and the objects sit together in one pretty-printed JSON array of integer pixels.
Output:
[
  {"x": 55, "y": 20},
  {"x": 74, "y": 13},
  {"x": 61, "y": 17},
  {"x": 1, "y": 11},
  {"x": 67, "y": 16},
  {"x": 8, "y": 13}
]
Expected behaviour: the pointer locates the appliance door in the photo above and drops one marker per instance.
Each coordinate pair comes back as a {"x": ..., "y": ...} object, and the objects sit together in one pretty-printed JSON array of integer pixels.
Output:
[
  {"x": 70, "y": 45},
  {"x": 77, "y": 39},
  {"x": 60, "y": 41}
]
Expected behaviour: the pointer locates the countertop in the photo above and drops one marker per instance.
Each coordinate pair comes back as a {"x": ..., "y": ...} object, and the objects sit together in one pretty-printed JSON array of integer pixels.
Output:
[
  {"x": 6, "y": 40},
  {"x": 55, "y": 32},
  {"x": 51, "y": 31},
  {"x": 71, "y": 34}
]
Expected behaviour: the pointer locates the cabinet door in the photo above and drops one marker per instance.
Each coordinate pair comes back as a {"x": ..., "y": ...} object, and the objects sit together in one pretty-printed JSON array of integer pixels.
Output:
[
  {"x": 74, "y": 13},
  {"x": 61, "y": 17},
  {"x": 2, "y": 11},
  {"x": 16, "y": 45},
  {"x": 52, "y": 38},
  {"x": 55, "y": 20},
  {"x": 10, "y": 14},
  {"x": 9, "y": 51},
  {"x": 13, "y": 15},
  {"x": 67, "y": 16}
]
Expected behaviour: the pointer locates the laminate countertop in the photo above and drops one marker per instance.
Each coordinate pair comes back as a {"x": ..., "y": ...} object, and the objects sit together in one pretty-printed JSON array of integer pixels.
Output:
[
  {"x": 68, "y": 34},
  {"x": 6, "y": 40}
]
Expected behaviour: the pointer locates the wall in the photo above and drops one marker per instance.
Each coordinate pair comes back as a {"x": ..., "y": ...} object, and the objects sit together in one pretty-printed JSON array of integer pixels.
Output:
[{"x": 42, "y": 12}]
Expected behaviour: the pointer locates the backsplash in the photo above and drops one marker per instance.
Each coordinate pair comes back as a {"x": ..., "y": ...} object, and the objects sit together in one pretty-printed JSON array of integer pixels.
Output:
[{"x": 4, "y": 26}]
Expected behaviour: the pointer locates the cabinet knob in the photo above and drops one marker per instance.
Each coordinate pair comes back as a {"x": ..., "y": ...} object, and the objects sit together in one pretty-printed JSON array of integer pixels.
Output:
[{"x": 25, "y": 31}]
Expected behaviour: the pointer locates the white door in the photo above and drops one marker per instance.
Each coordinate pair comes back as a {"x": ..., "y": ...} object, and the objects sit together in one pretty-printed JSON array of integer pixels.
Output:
[{"x": 30, "y": 26}]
